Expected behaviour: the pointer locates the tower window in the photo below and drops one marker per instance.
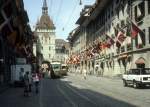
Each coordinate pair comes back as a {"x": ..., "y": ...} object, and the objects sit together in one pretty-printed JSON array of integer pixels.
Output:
[
  {"x": 139, "y": 11},
  {"x": 148, "y": 7},
  {"x": 149, "y": 34}
]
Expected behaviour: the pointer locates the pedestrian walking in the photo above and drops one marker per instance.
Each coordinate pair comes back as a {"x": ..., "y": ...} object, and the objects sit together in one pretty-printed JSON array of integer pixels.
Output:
[
  {"x": 84, "y": 73},
  {"x": 36, "y": 79},
  {"x": 26, "y": 84},
  {"x": 30, "y": 83}
]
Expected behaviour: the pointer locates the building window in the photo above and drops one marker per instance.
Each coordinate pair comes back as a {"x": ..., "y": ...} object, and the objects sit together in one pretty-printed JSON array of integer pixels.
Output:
[
  {"x": 149, "y": 34},
  {"x": 148, "y": 7},
  {"x": 140, "y": 40},
  {"x": 49, "y": 55},
  {"x": 42, "y": 47},
  {"x": 49, "y": 48},
  {"x": 142, "y": 35},
  {"x": 122, "y": 49},
  {"x": 136, "y": 41},
  {"x": 122, "y": 23},
  {"x": 108, "y": 14},
  {"x": 139, "y": 11},
  {"x": 117, "y": 1},
  {"x": 112, "y": 10}
]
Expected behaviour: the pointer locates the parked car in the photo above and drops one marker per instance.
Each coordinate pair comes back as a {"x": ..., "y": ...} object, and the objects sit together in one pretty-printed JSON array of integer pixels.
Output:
[
  {"x": 137, "y": 77},
  {"x": 64, "y": 69}
]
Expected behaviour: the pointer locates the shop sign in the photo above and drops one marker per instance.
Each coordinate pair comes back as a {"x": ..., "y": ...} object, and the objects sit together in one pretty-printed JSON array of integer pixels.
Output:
[{"x": 21, "y": 60}]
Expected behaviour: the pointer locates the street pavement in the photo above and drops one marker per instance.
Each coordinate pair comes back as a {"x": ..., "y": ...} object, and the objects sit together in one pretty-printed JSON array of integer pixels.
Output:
[{"x": 75, "y": 91}]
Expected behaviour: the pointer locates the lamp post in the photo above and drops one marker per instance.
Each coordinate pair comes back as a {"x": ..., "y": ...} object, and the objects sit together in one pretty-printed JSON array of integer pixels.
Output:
[{"x": 80, "y": 2}]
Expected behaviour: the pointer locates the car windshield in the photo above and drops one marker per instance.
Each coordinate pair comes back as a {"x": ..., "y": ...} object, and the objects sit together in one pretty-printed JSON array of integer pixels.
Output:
[
  {"x": 64, "y": 67},
  {"x": 145, "y": 71},
  {"x": 136, "y": 71},
  {"x": 56, "y": 66}
]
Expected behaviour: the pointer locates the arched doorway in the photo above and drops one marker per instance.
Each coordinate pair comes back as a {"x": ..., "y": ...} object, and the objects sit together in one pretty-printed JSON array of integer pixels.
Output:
[{"x": 140, "y": 62}]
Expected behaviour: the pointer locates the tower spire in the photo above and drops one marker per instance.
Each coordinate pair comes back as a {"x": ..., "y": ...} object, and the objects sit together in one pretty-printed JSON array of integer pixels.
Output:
[{"x": 44, "y": 8}]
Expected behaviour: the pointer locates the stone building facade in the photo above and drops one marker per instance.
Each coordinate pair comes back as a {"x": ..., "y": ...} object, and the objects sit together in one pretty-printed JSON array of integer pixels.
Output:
[
  {"x": 16, "y": 37},
  {"x": 107, "y": 19},
  {"x": 45, "y": 30},
  {"x": 61, "y": 50}
]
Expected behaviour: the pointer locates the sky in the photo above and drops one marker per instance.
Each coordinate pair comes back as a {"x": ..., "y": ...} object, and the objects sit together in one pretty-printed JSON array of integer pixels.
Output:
[{"x": 64, "y": 13}]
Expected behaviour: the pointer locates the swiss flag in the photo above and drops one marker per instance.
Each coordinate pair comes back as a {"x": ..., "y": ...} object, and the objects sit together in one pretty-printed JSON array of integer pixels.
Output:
[
  {"x": 120, "y": 37},
  {"x": 110, "y": 42},
  {"x": 135, "y": 30}
]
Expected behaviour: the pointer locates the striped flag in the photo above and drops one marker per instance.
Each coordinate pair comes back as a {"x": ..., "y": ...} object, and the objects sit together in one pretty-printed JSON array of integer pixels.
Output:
[
  {"x": 121, "y": 37},
  {"x": 134, "y": 31}
]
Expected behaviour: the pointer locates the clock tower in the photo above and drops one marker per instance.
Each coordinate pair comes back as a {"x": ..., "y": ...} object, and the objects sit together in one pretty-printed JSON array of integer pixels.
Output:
[{"x": 45, "y": 31}]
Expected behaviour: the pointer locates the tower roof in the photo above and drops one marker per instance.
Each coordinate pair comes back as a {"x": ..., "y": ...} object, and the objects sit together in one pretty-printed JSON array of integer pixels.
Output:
[{"x": 45, "y": 21}]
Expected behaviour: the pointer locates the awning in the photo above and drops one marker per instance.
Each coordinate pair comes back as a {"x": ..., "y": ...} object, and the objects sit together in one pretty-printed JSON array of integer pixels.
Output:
[
  {"x": 140, "y": 61},
  {"x": 123, "y": 56}
]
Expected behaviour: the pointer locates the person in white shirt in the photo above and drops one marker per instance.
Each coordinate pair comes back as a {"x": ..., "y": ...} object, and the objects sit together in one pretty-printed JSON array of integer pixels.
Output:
[
  {"x": 84, "y": 73},
  {"x": 36, "y": 80}
]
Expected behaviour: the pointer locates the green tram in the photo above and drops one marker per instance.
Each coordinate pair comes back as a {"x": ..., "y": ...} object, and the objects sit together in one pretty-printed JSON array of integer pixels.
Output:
[{"x": 59, "y": 69}]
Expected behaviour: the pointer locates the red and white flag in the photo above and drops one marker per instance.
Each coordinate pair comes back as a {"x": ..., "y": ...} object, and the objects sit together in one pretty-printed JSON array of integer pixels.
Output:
[
  {"x": 121, "y": 37},
  {"x": 134, "y": 31}
]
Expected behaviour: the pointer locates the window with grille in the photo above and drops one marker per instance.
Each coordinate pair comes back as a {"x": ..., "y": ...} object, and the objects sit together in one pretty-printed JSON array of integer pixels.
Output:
[
  {"x": 148, "y": 7},
  {"x": 142, "y": 34},
  {"x": 149, "y": 34},
  {"x": 139, "y": 11}
]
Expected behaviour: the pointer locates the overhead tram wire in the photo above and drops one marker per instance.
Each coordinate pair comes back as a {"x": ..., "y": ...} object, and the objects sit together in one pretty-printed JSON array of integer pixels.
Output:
[
  {"x": 80, "y": 2},
  {"x": 59, "y": 10},
  {"x": 50, "y": 9},
  {"x": 69, "y": 18}
]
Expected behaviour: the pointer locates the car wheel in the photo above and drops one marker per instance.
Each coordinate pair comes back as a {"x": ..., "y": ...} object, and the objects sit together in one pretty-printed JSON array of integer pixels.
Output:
[
  {"x": 135, "y": 85},
  {"x": 124, "y": 83}
]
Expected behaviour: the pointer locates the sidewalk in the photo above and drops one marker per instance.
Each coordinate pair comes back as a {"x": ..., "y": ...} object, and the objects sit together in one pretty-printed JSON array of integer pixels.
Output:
[
  {"x": 13, "y": 97},
  {"x": 98, "y": 77},
  {"x": 3, "y": 88}
]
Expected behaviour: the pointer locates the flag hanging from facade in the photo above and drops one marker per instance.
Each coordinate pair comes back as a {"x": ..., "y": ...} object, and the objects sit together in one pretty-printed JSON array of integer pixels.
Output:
[
  {"x": 109, "y": 41},
  {"x": 134, "y": 31},
  {"x": 121, "y": 37}
]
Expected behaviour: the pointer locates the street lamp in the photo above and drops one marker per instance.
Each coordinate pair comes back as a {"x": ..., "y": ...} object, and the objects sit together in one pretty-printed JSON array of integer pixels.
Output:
[{"x": 80, "y": 2}]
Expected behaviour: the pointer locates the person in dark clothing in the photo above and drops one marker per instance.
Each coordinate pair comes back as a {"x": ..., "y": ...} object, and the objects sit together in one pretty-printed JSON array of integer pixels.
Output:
[
  {"x": 26, "y": 84},
  {"x": 36, "y": 79}
]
